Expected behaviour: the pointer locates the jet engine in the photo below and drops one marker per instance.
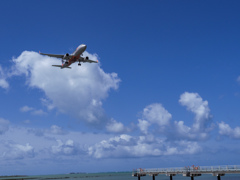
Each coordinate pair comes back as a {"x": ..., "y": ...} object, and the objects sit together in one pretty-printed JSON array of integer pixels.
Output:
[
  {"x": 66, "y": 56},
  {"x": 86, "y": 58}
]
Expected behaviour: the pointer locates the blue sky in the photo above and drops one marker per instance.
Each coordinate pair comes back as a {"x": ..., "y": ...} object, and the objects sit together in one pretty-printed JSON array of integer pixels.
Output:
[{"x": 166, "y": 92}]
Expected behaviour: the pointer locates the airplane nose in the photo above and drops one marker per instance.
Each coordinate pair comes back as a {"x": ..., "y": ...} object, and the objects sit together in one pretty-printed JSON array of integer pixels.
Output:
[{"x": 84, "y": 46}]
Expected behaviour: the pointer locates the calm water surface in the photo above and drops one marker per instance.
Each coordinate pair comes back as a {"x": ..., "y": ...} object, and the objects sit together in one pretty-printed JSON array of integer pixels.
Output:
[{"x": 118, "y": 176}]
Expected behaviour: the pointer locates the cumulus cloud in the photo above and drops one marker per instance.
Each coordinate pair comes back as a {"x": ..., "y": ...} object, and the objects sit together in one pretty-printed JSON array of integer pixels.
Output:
[
  {"x": 142, "y": 146},
  {"x": 114, "y": 147},
  {"x": 157, "y": 114},
  {"x": 115, "y": 127},
  {"x": 25, "y": 143},
  {"x": 201, "y": 126},
  {"x": 143, "y": 126},
  {"x": 78, "y": 92},
  {"x": 19, "y": 151},
  {"x": 154, "y": 114},
  {"x": 67, "y": 148},
  {"x": 188, "y": 147},
  {"x": 226, "y": 130},
  {"x": 195, "y": 104},
  {"x": 182, "y": 131},
  {"x": 3, "y": 82}
]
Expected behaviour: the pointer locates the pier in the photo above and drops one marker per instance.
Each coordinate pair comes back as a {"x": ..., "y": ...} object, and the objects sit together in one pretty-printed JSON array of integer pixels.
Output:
[{"x": 191, "y": 172}]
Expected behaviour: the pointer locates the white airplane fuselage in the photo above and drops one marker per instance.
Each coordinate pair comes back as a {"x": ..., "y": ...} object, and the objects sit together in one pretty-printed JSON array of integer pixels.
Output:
[
  {"x": 67, "y": 59},
  {"x": 74, "y": 56}
]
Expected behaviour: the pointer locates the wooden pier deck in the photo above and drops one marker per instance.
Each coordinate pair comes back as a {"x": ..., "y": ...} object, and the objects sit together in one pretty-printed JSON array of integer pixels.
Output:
[{"x": 192, "y": 171}]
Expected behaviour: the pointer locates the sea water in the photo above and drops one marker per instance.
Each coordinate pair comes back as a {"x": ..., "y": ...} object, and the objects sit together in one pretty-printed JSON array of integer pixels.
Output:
[{"x": 117, "y": 176}]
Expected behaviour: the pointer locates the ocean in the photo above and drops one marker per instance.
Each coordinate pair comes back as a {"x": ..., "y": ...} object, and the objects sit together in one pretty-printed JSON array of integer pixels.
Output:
[{"x": 115, "y": 176}]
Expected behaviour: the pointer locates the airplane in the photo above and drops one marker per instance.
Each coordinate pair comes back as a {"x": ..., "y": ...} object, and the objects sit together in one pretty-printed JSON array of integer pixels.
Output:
[{"x": 68, "y": 59}]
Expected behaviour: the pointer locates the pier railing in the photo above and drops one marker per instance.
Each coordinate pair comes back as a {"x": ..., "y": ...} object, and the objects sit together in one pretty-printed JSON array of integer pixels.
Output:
[
  {"x": 189, "y": 171},
  {"x": 180, "y": 170}
]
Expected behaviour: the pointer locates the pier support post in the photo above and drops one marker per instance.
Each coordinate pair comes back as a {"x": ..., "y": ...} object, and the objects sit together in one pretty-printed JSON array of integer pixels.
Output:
[
  {"x": 153, "y": 177},
  {"x": 192, "y": 178},
  {"x": 218, "y": 175},
  {"x": 170, "y": 175},
  {"x": 138, "y": 177}
]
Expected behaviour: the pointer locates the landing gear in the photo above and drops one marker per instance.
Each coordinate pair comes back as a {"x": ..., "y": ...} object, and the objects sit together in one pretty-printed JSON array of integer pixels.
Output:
[{"x": 79, "y": 64}]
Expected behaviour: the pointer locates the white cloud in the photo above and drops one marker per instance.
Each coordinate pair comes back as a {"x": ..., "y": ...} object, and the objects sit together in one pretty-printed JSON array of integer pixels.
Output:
[
  {"x": 115, "y": 127},
  {"x": 26, "y": 109},
  {"x": 183, "y": 147},
  {"x": 143, "y": 126},
  {"x": 201, "y": 126},
  {"x": 18, "y": 151},
  {"x": 4, "y": 125},
  {"x": 195, "y": 104},
  {"x": 24, "y": 143},
  {"x": 181, "y": 131},
  {"x": 44, "y": 144},
  {"x": 114, "y": 147},
  {"x": 189, "y": 147},
  {"x": 3, "y": 82},
  {"x": 47, "y": 103},
  {"x": 154, "y": 114},
  {"x": 67, "y": 148},
  {"x": 32, "y": 110},
  {"x": 142, "y": 146},
  {"x": 57, "y": 130},
  {"x": 157, "y": 114},
  {"x": 225, "y": 129},
  {"x": 78, "y": 92}
]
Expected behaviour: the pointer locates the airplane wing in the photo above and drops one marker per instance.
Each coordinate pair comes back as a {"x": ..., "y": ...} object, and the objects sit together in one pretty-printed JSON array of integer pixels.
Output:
[
  {"x": 57, "y": 66},
  {"x": 90, "y": 61},
  {"x": 53, "y": 55},
  {"x": 61, "y": 66},
  {"x": 85, "y": 59}
]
